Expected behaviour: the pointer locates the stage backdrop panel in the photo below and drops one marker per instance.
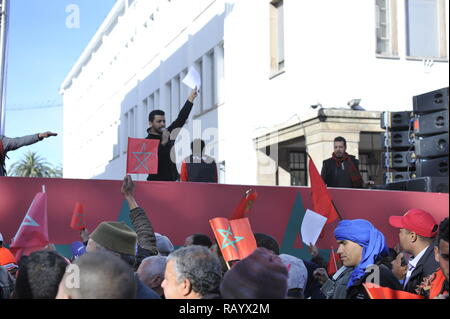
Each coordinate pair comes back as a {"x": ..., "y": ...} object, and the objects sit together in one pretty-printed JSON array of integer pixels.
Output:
[{"x": 180, "y": 209}]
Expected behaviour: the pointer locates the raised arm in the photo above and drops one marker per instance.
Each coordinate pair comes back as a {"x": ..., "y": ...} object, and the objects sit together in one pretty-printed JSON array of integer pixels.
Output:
[
  {"x": 11, "y": 144},
  {"x": 183, "y": 115},
  {"x": 144, "y": 229}
]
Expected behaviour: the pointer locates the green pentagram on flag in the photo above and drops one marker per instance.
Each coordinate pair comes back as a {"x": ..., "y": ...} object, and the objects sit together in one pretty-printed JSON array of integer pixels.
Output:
[
  {"x": 227, "y": 241},
  {"x": 146, "y": 157}
]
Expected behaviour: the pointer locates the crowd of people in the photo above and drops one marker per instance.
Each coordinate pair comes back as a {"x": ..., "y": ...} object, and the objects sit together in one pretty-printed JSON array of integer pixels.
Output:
[
  {"x": 118, "y": 262},
  {"x": 115, "y": 261}
]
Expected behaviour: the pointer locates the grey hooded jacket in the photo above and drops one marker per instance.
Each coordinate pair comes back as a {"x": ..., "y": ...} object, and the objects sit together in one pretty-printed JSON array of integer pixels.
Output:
[{"x": 11, "y": 144}]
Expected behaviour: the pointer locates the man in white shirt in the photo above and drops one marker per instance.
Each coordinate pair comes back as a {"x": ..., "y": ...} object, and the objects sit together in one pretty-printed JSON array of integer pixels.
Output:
[{"x": 417, "y": 232}]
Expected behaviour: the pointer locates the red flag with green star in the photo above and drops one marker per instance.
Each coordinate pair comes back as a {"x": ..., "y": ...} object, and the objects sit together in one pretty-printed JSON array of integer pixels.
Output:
[
  {"x": 142, "y": 156},
  {"x": 235, "y": 237},
  {"x": 245, "y": 205}
]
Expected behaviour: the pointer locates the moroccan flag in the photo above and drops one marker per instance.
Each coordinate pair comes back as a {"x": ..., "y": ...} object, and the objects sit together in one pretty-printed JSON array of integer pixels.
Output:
[
  {"x": 78, "y": 221},
  {"x": 245, "y": 205},
  {"x": 142, "y": 156},
  {"x": 33, "y": 231},
  {"x": 377, "y": 292},
  {"x": 235, "y": 237},
  {"x": 334, "y": 263},
  {"x": 322, "y": 202}
]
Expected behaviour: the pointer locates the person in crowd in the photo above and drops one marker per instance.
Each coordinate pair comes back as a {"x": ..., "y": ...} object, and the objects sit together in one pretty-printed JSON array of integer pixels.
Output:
[
  {"x": 268, "y": 242},
  {"x": 361, "y": 245},
  {"x": 317, "y": 258},
  {"x": 342, "y": 169},
  {"x": 164, "y": 245},
  {"x": 151, "y": 273},
  {"x": 261, "y": 275},
  {"x": 198, "y": 239},
  {"x": 298, "y": 276},
  {"x": 397, "y": 263},
  {"x": 101, "y": 275},
  {"x": 436, "y": 285},
  {"x": 39, "y": 275},
  {"x": 120, "y": 240},
  {"x": 192, "y": 272},
  {"x": 7, "y": 283},
  {"x": 7, "y": 259},
  {"x": 167, "y": 170},
  {"x": 417, "y": 232},
  {"x": 199, "y": 167},
  {"x": 10, "y": 144},
  {"x": 312, "y": 289},
  {"x": 78, "y": 249}
]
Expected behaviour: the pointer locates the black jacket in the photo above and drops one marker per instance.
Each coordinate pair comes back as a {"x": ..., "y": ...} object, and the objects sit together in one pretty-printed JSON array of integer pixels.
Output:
[
  {"x": 426, "y": 266},
  {"x": 167, "y": 169},
  {"x": 335, "y": 176},
  {"x": 312, "y": 288},
  {"x": 387, "y": 279}
]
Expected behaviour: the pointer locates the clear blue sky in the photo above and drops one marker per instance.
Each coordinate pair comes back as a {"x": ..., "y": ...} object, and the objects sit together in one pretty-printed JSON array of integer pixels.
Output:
[{"x": 42, "y": 50}]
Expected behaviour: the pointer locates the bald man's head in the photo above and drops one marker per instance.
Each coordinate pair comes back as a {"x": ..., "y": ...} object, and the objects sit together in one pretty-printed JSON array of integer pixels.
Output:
[
  {"x": 151, "y": 272},
  {"x": 98, "y": 275}
]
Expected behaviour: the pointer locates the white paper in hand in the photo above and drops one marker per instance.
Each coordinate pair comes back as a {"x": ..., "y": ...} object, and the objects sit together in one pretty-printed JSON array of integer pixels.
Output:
[
  {"x": 193, "y": 79},
  {"x": 312, "y": 226}
]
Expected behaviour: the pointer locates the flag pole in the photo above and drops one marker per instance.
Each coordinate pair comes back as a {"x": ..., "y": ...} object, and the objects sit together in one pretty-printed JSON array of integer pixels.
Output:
[
  {"x": 334, "y": 258},
  {"x": 337, "y": 211}
]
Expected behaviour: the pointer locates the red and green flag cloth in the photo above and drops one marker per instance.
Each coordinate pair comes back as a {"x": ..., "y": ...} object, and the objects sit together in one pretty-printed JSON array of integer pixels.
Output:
[
  {"x": 377, "y": 292},
  {"x": 245, "y": 205},
  {"x": 78, "y": 219},
  {"x": 32, "y": 234},
  {"x": 142, "y": 156},
  {"x": 321, "y": 199},
  {"x": 235, "y": 237}
]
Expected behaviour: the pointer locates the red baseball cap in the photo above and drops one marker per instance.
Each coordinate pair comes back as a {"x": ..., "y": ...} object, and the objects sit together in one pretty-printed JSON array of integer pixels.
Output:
[{"x": 416, "y": 220}]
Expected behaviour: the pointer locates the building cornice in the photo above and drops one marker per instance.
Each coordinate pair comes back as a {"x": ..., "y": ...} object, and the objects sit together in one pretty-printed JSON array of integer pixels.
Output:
[{"x": 94, "y": 43}]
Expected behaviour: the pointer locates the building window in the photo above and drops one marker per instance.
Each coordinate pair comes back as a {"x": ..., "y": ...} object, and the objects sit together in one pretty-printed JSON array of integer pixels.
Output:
[
  {"x": 425, "y": 29},
  {"x": 297, "y": 168},
  {"x": 276, "y": 36},
  {"x": 386, "y": 28}
]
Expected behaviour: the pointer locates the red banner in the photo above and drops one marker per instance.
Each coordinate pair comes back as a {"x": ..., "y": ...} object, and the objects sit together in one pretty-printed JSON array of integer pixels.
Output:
[
  {"x": 178, "y": 210},
  {"x": 142, "y": 156}
]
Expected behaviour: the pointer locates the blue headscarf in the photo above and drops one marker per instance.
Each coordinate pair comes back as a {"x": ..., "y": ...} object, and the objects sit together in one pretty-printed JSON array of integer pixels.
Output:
[{"x": 367, "y": 236}]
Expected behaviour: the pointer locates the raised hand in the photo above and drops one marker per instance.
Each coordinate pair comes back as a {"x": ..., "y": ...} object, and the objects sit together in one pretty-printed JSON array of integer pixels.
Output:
[
  {"x": 46, "y": 134},
  {"x": 193, "y": 95}
]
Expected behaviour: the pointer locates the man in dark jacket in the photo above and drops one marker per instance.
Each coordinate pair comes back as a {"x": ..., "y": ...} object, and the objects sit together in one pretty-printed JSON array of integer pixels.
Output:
[
  {"x": 417, "y": 232},
  {"x": 10, "y": 144},
  {"x": 199, "y": 167},
  {"x": 167, "y": 170},
  {"x": 341, "y": 170}
]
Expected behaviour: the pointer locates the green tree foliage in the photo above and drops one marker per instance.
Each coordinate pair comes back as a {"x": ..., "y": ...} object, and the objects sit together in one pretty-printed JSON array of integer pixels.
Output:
[{"x": 32, "y": 165}]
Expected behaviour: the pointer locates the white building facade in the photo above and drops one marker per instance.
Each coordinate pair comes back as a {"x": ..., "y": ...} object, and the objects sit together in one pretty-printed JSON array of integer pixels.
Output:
[{"x": 263, "y": 64}]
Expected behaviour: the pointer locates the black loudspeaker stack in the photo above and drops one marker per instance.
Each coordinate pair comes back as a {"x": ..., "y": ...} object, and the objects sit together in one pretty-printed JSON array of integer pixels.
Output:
[{"x": 416, "y": 143}]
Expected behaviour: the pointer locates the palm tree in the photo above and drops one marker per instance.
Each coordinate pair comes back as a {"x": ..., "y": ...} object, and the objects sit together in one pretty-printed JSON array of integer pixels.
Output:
[{"x": 34, "y": 166}]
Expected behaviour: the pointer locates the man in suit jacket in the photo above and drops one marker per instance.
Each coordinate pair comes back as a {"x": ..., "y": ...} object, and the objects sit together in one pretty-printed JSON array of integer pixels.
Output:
[{"x": 417, "y": 232}]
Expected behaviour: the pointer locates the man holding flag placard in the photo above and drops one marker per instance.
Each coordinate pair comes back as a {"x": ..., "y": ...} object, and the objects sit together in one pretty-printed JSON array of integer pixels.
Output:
[{"x": 167, "y": 170}]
